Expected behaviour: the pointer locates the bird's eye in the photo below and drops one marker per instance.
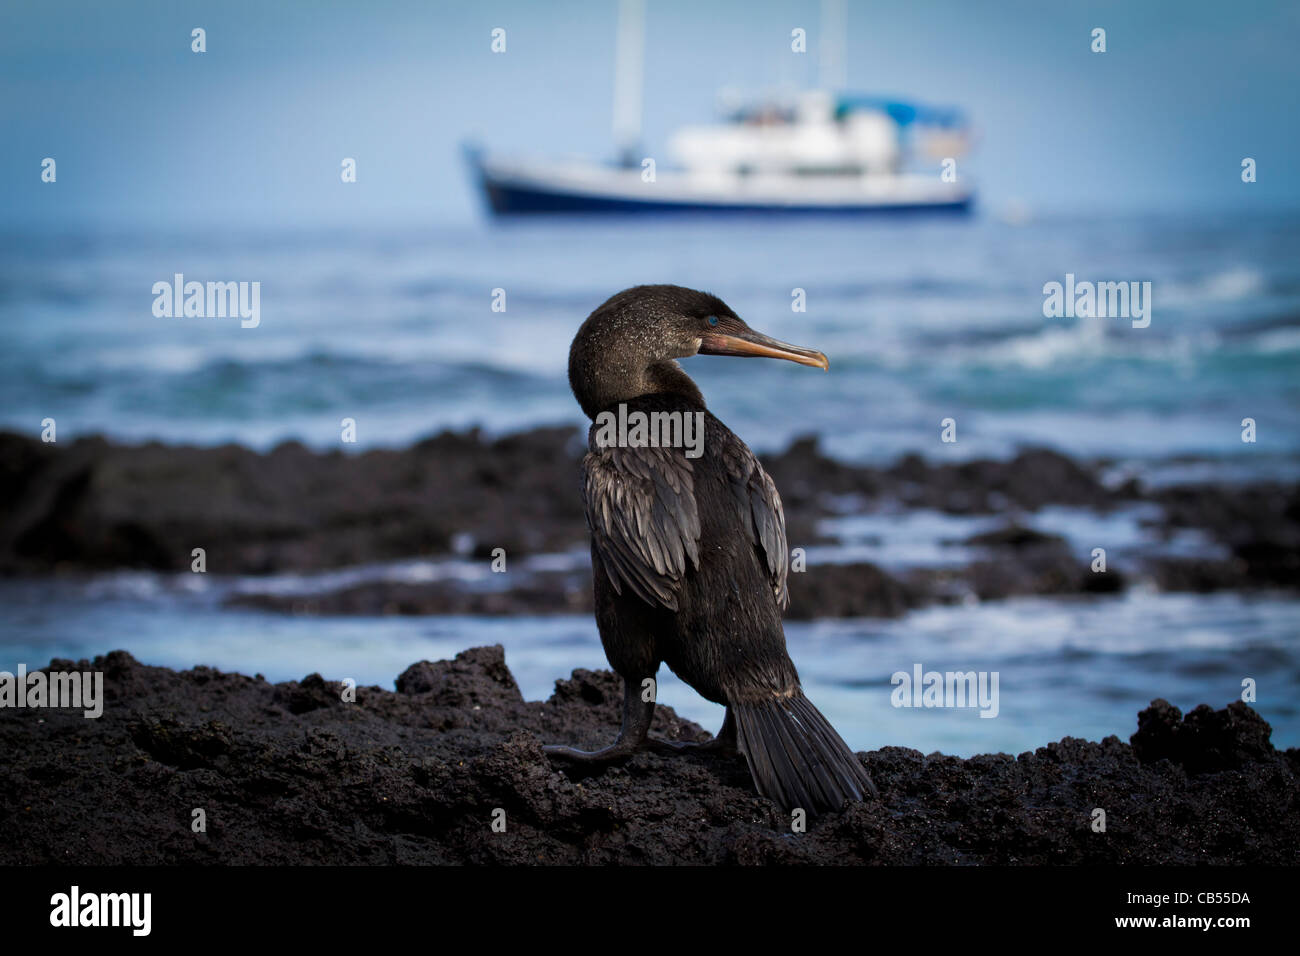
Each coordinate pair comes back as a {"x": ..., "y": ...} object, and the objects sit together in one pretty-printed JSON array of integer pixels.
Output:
[{"x": 713, "y": 320}]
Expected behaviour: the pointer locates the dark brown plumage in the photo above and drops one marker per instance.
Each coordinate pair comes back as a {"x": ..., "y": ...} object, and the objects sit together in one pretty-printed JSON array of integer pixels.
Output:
[{"x": 689, "y": 555}]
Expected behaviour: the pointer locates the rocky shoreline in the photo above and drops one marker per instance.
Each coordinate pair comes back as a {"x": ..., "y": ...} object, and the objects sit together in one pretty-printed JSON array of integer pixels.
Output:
[
  {"x": 95, "y": 505},
  {"x": 292, "y": 773}
]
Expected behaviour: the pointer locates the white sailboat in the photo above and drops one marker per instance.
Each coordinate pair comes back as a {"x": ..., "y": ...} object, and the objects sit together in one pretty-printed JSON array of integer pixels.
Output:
[{"x": 816, "y": 152}]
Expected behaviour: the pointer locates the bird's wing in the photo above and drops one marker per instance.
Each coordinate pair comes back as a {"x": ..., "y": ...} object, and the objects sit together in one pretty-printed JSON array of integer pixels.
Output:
[
  {"x": 761, "y": 512},
  {"x": 643, "y": 518}
]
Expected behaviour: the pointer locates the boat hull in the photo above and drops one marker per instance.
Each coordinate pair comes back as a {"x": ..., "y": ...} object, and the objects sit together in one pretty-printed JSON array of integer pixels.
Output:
[{"x": 519, "y": 191}]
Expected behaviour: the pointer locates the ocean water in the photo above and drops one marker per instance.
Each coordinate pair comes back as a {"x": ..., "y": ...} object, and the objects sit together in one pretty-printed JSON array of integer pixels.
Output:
[
  {"x": 922, "y": 320},
  {"x": 1066, "y": 667}
]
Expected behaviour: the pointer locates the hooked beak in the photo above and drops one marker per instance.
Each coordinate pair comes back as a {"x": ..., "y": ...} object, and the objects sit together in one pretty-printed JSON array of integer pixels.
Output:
[{"x": 750, "y": 343}]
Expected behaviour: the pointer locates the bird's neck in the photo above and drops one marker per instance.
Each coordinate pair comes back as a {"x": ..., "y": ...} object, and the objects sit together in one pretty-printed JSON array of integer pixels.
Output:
[{"x": 600, "y": 388}]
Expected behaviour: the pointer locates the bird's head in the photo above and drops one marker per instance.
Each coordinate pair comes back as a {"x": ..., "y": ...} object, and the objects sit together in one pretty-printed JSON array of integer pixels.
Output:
[{"x": 628, "y": 346}]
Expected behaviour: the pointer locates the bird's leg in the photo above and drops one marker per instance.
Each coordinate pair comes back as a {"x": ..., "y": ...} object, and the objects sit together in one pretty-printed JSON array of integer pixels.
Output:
[
  {"x": 724, "y": 742},
  {"x": 637, "y": 714}
]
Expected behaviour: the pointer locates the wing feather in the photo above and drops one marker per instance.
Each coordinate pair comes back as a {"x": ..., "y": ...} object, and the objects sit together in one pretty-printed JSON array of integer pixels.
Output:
[
  {"x": 760, "y": 509},
  {"x": 645, "y": 523},
  {"x": 643, "y": 518}
]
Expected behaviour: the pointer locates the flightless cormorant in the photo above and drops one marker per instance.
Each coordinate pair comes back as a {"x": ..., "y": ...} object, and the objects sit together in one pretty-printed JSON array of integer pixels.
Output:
[{"x": 689, "y": 554}]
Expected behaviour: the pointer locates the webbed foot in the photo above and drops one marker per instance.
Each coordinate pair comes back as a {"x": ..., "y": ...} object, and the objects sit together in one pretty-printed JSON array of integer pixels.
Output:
[{"x": 615, "y": 751}]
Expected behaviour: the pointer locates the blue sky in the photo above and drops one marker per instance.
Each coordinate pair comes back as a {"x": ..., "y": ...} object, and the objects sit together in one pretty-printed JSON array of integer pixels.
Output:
[{"x": 253, "y": 131}]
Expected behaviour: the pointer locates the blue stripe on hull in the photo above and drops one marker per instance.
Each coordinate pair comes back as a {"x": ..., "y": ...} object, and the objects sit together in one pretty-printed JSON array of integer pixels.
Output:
[{"x": 510, "y": 200}]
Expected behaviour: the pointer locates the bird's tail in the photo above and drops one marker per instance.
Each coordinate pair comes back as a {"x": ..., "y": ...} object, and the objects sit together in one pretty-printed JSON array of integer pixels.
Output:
[{"x": 795, "y": 756}]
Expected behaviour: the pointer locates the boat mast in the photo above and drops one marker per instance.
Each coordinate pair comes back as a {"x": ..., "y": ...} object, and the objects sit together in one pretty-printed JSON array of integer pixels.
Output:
[
  {"x": 629, "y": 70},
  {"x": 834, "y": 43}
]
